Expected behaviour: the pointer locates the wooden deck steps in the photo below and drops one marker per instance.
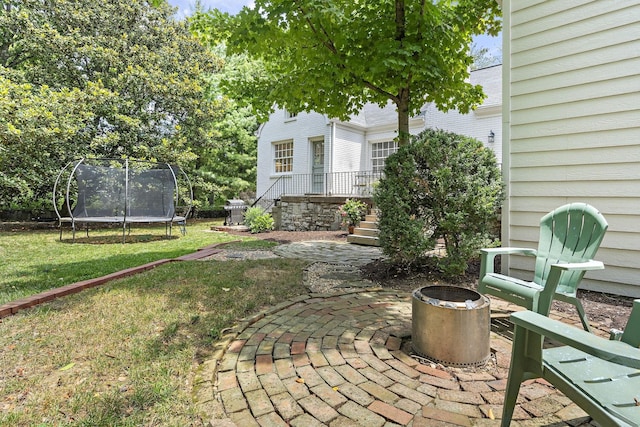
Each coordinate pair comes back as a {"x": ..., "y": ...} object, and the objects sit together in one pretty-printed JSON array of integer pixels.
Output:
[{"x": 367, "y": 232}]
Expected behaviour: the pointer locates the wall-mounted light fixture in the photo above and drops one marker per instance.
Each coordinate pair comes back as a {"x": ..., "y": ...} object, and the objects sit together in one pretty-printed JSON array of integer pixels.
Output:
[{"x": 492, "y": 137}]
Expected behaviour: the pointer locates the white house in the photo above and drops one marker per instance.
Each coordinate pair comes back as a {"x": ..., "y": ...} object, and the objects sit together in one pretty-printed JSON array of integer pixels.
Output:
[
  {"x": 310, "y": 153},
  {"x": 571, "y": 98}
]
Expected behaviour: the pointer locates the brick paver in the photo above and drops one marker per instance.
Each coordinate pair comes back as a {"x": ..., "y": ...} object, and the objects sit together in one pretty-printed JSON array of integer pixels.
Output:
[
  {"x": 344, "y": 359},
  {"x": 306, "y": 364},
  {"x": 361, "y": 415}
]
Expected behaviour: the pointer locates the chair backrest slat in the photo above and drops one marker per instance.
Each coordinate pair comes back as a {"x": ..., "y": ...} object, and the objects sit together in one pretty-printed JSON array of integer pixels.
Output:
[{"x": 570, "y": 233}]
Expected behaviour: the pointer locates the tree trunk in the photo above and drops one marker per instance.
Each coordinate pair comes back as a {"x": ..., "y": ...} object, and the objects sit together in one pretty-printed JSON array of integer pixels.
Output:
[
  {"x": 402, "y": 102},
  {"x": 403, "y": 118}
]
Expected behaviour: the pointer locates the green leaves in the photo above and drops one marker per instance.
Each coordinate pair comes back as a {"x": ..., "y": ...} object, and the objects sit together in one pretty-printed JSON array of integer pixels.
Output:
[
  {"x": 227, "y": 166},
  {"x": 334, "y": 56},
  {"x": 110, "y": 79},
  {"x": 258, "y": 220},
  {"x": 37, "y": 131}
]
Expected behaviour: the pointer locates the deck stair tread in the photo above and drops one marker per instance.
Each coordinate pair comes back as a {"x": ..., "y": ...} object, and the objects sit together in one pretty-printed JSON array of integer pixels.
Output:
[{"x": 366, "y": 233}]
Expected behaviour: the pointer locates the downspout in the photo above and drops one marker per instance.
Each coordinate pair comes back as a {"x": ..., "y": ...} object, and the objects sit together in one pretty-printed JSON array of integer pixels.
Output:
[
  {"x": 329, "y": 166},
  {"x": 506, "y": 132},
  {"x": 332, "y": 139}
]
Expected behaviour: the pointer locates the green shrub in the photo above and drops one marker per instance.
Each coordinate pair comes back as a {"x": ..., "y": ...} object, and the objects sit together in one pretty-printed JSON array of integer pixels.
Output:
[
  {"x": 261, "y": 224},
  {"x": 442, "y": 185},
  {"x": 258, "y": 220},
  {"x": 251, "y": 214},
  {"x": 404, "y": 231}
]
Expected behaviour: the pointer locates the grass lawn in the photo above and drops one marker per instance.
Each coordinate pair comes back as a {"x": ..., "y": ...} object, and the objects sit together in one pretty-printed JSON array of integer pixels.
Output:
[
  {"x": 123, "y": 354},
  {"x": 35, "y": 261}
]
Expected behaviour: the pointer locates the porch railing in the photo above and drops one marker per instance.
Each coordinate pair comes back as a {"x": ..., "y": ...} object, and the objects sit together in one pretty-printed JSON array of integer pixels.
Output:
[{"x": 358, "y": 183}]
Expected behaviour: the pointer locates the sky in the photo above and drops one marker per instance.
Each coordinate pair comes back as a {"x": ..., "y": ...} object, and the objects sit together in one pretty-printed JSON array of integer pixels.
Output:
[{"x": 187, "y": 7}]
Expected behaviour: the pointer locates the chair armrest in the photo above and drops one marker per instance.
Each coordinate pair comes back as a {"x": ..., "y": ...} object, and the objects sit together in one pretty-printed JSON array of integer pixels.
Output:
[
  {"x": 487, "y": 256},
  {"x": 587, "y": 265},
  {"x": 613, "y": 351},
  {"x": 509, "y": 251},
  {"x": 554, "y": 278}
]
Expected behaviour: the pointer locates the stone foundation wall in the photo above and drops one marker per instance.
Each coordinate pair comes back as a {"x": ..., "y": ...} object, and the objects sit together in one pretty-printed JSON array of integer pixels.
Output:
[{"x": 309, "y": 213}]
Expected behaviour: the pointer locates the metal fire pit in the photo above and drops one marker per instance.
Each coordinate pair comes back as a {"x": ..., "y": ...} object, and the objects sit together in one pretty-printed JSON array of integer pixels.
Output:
[{"x": 451, "y": 325}]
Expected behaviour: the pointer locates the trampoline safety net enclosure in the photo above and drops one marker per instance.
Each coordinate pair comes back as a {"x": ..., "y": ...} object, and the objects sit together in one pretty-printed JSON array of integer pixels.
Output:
[{"x": 122, "y": 191}]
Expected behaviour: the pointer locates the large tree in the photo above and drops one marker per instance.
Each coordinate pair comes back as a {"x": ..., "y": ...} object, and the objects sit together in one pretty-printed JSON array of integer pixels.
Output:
[
  {"x": 228, "y": 168},
  {"x": 85, "y": 78},
  {"x": 332, "y": 56}
]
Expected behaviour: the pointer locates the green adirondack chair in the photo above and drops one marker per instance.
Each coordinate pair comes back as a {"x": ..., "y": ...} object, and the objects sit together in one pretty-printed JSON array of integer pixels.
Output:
[
  {"x": 601, "y": 376},
  {"x": 569, "y": 239}
]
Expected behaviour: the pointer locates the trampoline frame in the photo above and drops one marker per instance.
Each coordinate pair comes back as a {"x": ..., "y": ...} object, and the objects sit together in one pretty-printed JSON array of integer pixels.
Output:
[{"x": 124, "y": 216}]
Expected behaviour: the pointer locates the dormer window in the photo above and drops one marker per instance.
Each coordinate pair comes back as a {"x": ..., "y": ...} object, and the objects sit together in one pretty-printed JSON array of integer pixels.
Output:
[{"x": 289, "y": 115}]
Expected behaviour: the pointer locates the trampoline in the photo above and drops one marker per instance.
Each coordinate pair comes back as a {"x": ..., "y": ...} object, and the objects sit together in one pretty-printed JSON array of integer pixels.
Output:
[{"x": 121, "y": 191}]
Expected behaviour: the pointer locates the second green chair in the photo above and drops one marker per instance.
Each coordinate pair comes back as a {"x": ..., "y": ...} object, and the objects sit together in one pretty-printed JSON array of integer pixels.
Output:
[{"x": 569, "y": 239}]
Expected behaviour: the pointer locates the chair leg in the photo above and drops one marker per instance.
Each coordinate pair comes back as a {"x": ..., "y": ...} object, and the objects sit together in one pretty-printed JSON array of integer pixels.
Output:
[
  {"x": 582, "y": 314},
  {"x": 516, "y": 376},
  {"x": 510, "y": 398}
]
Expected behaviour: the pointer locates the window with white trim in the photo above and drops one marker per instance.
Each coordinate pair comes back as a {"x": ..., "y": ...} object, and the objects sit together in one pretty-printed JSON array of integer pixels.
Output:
[
  {"x": 379, "y": 153},
  {"x": 283, "y": 157}
]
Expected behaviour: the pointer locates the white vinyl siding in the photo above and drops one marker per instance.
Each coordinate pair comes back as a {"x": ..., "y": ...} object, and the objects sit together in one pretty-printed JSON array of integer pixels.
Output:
[
  {"x": 348, "y": 149},
  {"x": 572, "y": 126},
  {"x": 278, "y": 129}
]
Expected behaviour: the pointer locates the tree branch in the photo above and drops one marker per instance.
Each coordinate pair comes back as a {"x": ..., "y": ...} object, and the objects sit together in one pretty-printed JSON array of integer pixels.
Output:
[
  {"x": 377, "y": 89},
  {"x": 327, "y": 41}
]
